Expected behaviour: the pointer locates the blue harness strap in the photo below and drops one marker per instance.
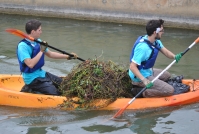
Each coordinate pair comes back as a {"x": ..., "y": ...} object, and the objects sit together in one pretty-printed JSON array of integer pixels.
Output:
[
  {"x": 155, "y": 50},
  {"x": 36, "y": 49}
]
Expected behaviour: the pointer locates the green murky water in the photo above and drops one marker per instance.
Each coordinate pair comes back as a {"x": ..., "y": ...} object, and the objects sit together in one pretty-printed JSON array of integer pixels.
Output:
[{"x": 108, "y": 41}]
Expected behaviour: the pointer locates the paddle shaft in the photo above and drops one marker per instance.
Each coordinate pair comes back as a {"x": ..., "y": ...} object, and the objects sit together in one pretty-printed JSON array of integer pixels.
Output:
[
  {"x": 71, "y": 55},
  {"x": 122, "y": 110},
  {"x": 23, "y": 35}
]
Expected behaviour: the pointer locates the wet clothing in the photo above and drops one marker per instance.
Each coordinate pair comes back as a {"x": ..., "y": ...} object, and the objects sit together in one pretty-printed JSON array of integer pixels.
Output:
[{"x": 36, "y": 79}]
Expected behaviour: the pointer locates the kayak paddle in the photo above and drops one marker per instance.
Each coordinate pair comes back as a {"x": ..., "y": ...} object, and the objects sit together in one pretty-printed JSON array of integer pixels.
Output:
[
  {"x": 122, "y": 109},
  {"x": 23, "y": 35}
]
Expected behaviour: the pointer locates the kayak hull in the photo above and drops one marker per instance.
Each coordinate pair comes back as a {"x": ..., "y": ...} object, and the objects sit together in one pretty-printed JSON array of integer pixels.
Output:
[{"x": 10, "y": 95}]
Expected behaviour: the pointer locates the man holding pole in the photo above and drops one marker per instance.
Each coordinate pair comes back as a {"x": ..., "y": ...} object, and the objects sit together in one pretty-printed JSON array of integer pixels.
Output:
[
  {"x": 31, "y": 55},
  {"x": 142, "y": 60}
]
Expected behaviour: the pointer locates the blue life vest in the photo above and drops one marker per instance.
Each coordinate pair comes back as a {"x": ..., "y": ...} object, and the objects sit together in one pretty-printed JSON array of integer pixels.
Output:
[
  {"x": 36, "y": 49},
  {"x": 151, "y": 61}
]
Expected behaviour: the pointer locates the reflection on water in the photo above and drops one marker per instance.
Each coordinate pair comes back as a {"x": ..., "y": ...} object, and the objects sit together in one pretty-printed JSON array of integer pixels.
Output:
[
  {"x": 32, "y": 121},
  {"x": 109, "y": 41},
  {"x": 162, "y": 120}
]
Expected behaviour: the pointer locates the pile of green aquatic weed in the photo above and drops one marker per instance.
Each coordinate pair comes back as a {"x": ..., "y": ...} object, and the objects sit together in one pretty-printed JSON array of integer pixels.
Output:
[{"x": 93, "y": 80}]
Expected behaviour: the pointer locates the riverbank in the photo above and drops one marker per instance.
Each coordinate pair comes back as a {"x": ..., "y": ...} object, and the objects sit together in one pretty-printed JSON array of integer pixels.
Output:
[{"x": 176, "y": 13}]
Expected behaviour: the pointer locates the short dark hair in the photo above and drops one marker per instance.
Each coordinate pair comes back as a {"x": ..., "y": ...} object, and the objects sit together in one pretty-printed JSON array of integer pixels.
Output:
[
  {"x": 32, "y": 25},
  {"x": 152, "y": 25}
]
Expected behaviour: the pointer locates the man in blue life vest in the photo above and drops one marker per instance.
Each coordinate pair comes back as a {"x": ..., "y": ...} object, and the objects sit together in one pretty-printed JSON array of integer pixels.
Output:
[
  {"x": 31, "y": 60},
  {"x": 142, "y": 60}
]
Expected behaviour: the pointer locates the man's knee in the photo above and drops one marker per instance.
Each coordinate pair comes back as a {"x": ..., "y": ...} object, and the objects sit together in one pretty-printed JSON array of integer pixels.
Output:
[
  {"x": 55, "y": 79},
  {"x": 49, "y": 90},
  {"x": 166, "y": 75},
  {"x": 169, "y": 90}
]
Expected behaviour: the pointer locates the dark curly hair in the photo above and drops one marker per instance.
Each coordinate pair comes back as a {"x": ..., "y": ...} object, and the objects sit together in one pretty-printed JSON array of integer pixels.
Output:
[{"x": 152, "y": 25}]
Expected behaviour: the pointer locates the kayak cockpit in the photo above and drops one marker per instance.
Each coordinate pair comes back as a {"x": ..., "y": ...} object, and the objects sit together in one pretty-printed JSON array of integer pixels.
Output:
[{"x": 11, "y": 82}]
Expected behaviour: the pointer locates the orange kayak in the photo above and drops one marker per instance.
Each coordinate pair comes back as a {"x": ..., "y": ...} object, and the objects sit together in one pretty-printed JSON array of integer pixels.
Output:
[{"x": 10, "y": 85}]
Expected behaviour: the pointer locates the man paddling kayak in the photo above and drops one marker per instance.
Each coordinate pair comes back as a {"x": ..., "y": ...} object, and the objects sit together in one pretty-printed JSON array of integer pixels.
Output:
[
  {"x": 142, "y": 60},
  {"x": 30, "y": 55}
]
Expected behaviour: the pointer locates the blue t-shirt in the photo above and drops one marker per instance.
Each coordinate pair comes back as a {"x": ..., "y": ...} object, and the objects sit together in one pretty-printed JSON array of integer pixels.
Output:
[
  {"x": 142, "y": 53},
  {"x": 25, "y": 52}
]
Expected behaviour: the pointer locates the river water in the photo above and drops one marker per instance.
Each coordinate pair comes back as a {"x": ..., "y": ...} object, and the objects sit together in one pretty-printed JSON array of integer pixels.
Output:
[{"x": 106, "y": 41}]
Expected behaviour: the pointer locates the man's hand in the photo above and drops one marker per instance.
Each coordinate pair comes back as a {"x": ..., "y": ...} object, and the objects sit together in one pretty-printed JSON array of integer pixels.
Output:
[
  {"x": 178, "y": 57},
  {"x": 147, "y": 83},
  {"x": 74, "y": 56},
  {"x": 43, "y": 47}
]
